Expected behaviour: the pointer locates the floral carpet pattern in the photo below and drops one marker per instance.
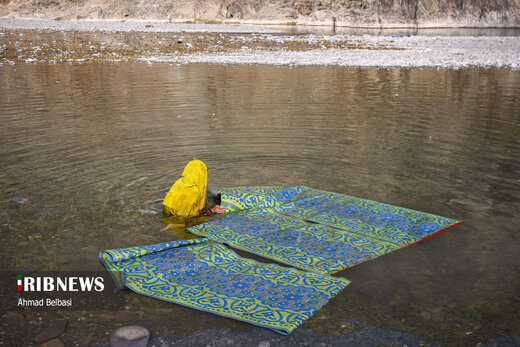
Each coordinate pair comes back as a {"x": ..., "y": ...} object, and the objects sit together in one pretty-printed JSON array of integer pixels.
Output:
[
  {"x": 207, "y": 276},
  {"x": 315, "y": 230}
]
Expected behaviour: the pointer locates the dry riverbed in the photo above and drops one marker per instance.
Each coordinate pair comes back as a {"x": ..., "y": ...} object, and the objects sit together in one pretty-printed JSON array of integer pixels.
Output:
[{"x": 45, "y": 41}]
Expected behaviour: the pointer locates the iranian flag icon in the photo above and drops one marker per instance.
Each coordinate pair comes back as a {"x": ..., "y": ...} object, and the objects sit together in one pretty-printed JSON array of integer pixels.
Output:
[{"x": 19, "y": 283}]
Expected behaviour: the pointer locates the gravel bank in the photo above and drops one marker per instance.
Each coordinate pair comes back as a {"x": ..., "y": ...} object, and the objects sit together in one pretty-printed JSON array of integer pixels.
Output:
[
  {"x": 118, "y": 26},
  {"x": 24, "y": 41},
  {"x": 408, "y": 52}
]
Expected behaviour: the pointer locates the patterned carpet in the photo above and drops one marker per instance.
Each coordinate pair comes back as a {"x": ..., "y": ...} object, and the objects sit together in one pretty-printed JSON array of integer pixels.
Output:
[
  {"x": 309, "y": 229},
  {"x": 207, "y": 276},
  {"x": 316, "y": 230}
]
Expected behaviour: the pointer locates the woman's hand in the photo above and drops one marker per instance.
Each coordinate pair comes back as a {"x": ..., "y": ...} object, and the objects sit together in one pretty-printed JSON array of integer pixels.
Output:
[{"x": 218, "y": 209}]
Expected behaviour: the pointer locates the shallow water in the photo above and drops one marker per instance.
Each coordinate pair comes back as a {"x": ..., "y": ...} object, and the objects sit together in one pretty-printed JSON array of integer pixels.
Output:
[
  {"x": 86, "y": 150},
  {"x": 330, "y": 30}
]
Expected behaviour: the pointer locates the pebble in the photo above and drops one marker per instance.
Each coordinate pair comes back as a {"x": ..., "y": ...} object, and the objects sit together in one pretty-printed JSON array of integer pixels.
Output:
[
  {"x": 264, "y": 344},
  {"x": 130, "y": 336},
  {"x": 20, "y": 200}
]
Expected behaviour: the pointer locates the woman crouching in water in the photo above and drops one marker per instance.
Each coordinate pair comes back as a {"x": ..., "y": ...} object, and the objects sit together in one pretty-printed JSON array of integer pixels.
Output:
[{"x": 187, "y": 197}]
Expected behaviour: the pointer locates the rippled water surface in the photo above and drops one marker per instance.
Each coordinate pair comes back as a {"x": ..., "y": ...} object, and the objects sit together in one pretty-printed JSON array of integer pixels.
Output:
[
  {"x": 91, "y": 147},
  {"x": 330, "y": 30}
]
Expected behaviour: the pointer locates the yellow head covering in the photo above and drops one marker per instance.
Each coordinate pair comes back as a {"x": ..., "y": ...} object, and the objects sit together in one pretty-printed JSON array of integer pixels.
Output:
[{"x": 187, "y": 197}]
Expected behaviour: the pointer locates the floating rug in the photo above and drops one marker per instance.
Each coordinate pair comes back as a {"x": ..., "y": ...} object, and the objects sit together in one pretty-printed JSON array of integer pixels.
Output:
[
  {"x": 316, "y": 230},
  {"x": 207, "y": 276}
]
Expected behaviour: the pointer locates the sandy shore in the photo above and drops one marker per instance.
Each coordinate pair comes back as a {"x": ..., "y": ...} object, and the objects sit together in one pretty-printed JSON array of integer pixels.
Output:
[{"x": 36, "y": 41}]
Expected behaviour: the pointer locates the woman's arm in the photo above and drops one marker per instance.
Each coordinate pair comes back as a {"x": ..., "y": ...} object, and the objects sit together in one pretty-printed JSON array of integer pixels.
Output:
[{"x": 212, "y": 211}]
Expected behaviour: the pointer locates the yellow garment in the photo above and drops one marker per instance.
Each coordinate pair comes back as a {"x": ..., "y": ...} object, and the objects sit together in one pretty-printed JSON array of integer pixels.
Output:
[{"x": 187, "y": 197}]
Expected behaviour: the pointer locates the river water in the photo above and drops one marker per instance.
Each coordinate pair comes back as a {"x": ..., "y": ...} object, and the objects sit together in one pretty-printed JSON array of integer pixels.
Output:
[
  {"x": 86, "y": 149},
  {"x": 330, "y": 30}
]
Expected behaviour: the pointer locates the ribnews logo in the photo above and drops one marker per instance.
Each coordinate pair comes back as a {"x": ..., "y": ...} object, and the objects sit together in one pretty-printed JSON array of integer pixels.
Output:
[
  {"x": 60, "y": 290},
  {"x": 64, "y": 284}
]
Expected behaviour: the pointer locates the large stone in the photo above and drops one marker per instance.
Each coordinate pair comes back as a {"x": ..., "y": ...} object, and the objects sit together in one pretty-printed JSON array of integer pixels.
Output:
[
  {"x": 52, "y": 331},
  {"x": 53, "y": 343},
  {"x": 15, "y": 321},
  {"x": 130, "y": 336}
]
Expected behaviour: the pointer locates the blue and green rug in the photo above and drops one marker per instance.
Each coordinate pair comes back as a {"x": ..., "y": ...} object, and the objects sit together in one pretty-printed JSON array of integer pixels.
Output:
[
  {"x": 316, "y": 230},
  {"x": 207, "y": 276},
  {"x": 309, "y": 229}
]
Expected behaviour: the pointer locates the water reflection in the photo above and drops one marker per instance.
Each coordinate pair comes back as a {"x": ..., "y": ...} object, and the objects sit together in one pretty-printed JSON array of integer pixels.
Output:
[
  {"x": 330, "y": 30},
  {"x": 92, "y": 146}
]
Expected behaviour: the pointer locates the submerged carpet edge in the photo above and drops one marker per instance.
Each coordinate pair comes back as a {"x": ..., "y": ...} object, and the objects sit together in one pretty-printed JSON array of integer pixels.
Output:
[
  {"x": 288, "y": 320},
  {"x": 233, "y": 229},
  {"x": 436, "y": 233},
  {"x": 143, "y": 264}
]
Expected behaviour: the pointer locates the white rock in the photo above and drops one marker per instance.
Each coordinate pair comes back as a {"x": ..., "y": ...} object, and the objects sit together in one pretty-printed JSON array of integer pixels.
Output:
[{"x": 130, "y": 336}]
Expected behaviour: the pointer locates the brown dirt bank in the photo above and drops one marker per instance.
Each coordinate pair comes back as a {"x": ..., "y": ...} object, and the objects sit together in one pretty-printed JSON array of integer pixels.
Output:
[{"x": 352, "y": 13}]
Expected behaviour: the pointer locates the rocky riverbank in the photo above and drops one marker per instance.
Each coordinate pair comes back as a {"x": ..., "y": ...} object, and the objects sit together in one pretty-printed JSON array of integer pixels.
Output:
[
  {"x": 354, "y": 13},
  {"x": 45, "y": 41}
]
